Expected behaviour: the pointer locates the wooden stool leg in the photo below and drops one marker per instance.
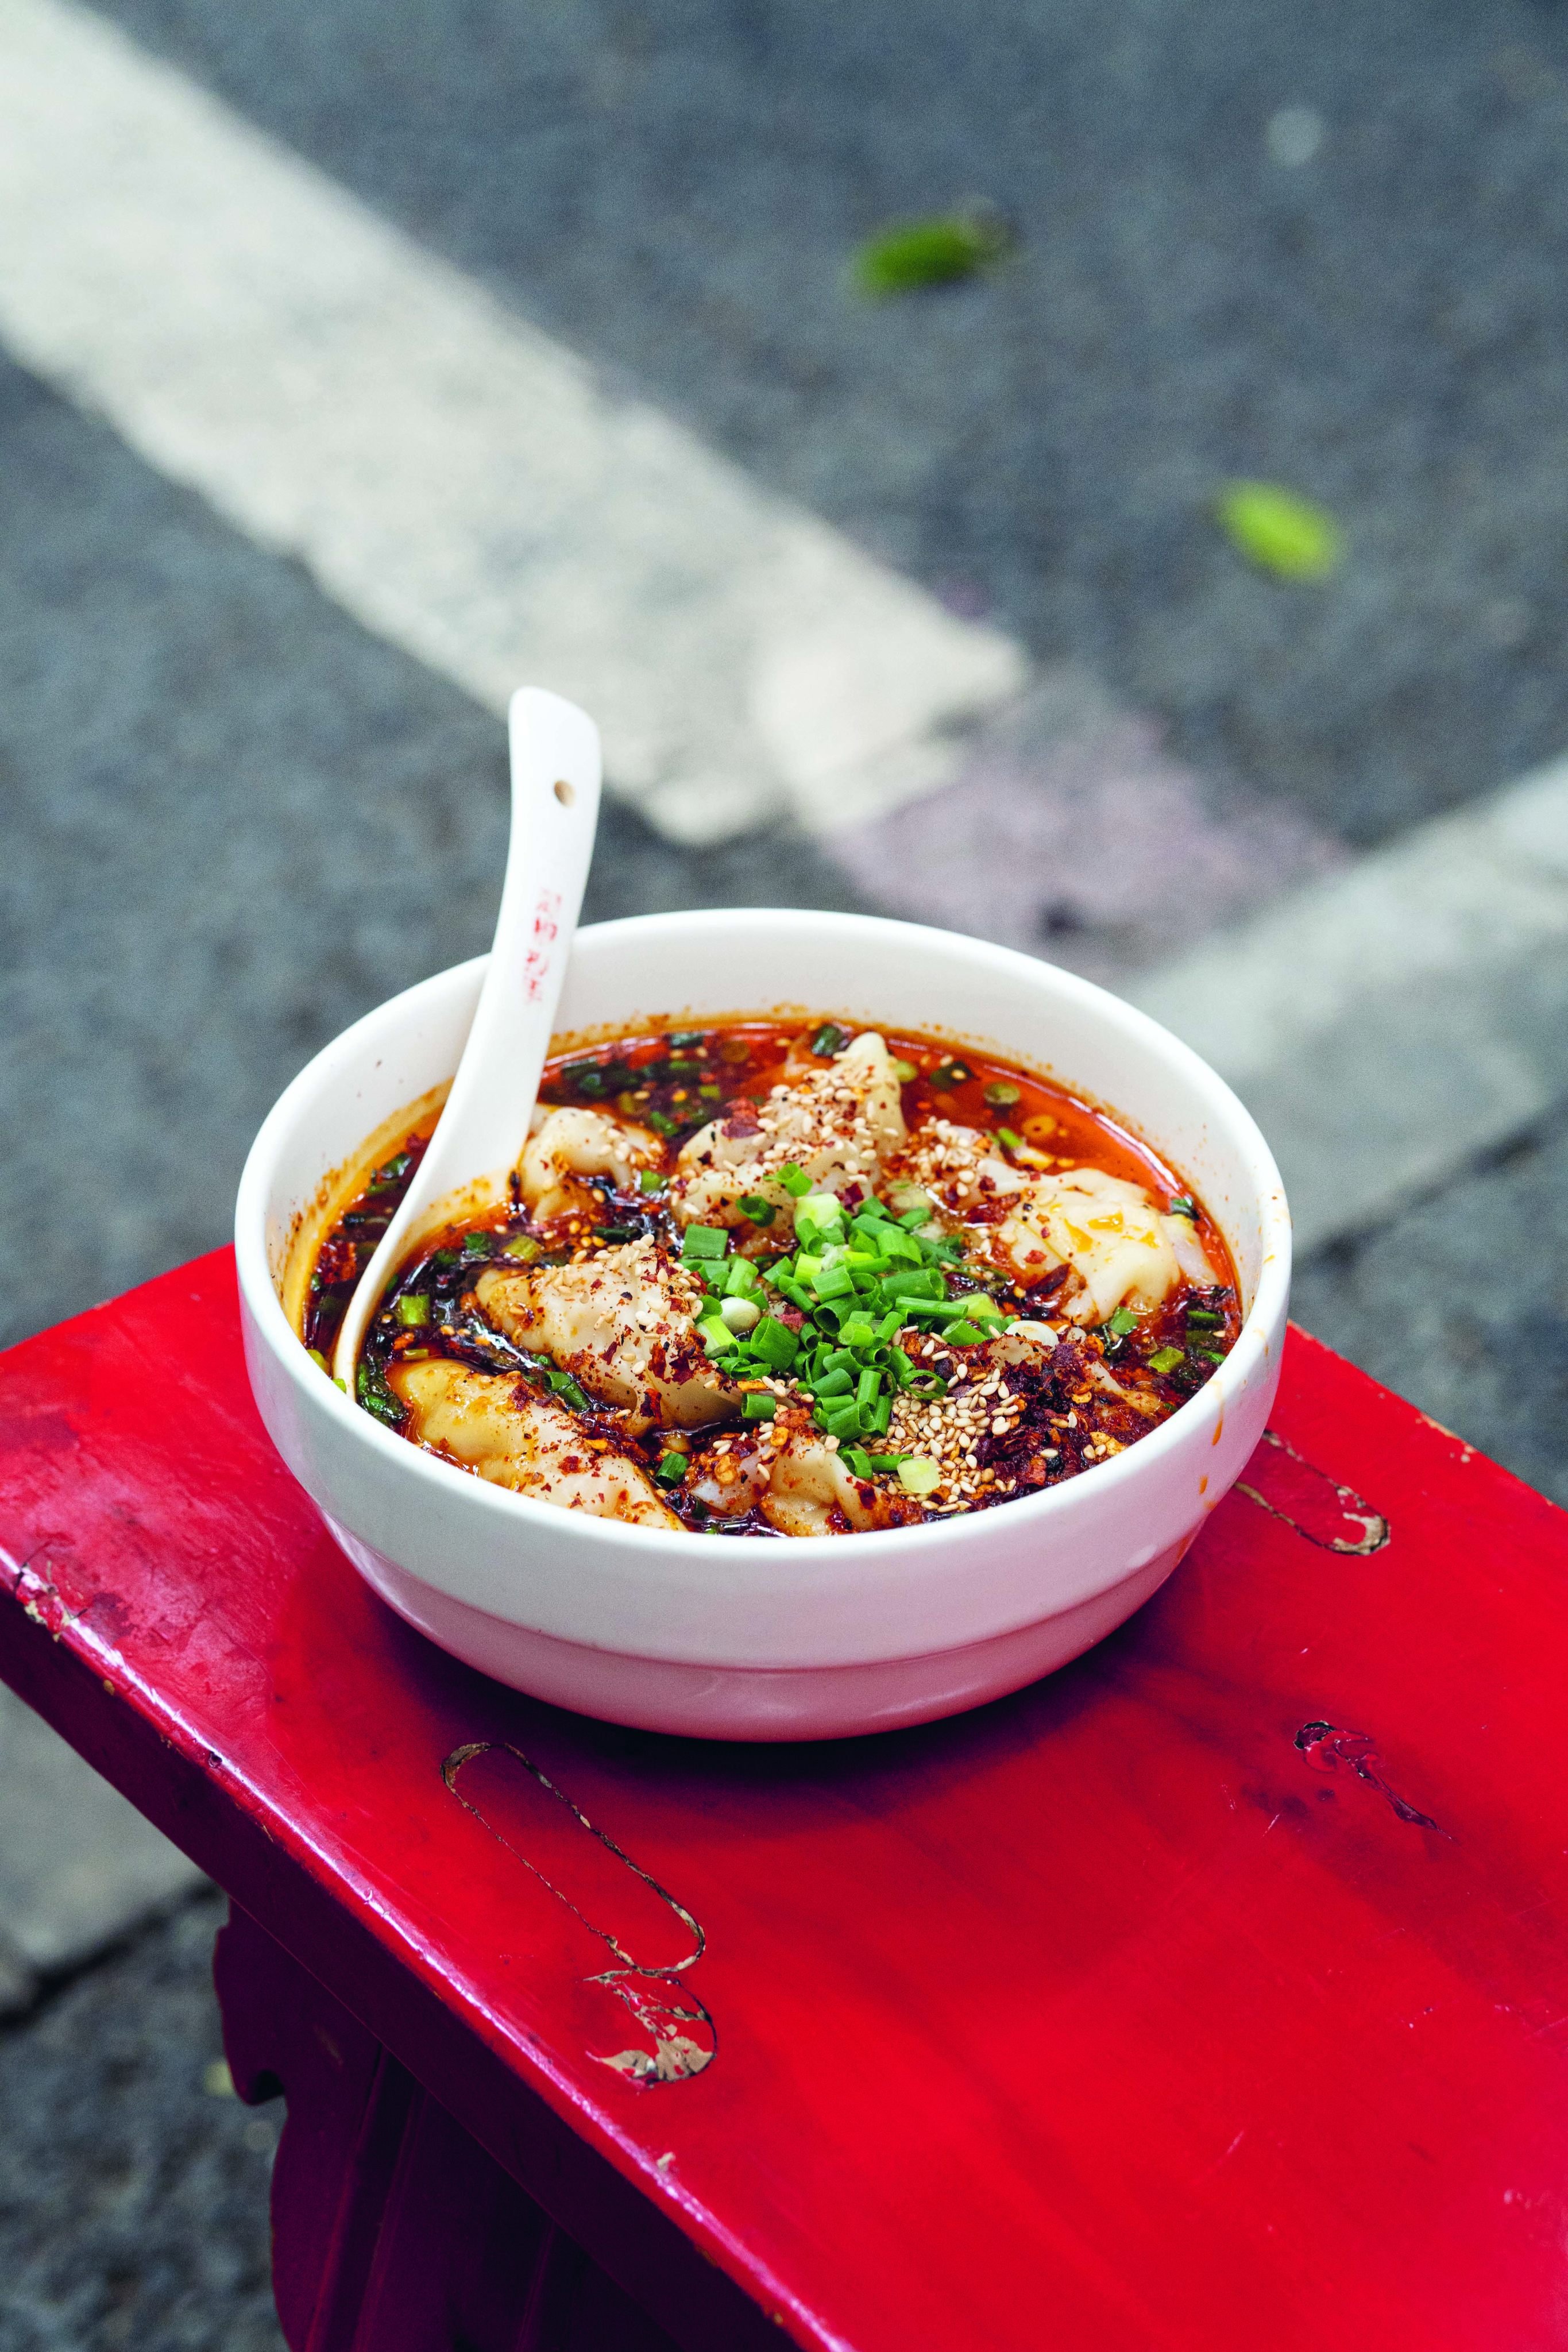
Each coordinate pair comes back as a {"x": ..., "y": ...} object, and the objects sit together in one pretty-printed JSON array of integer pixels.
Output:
[{"x": 393, "y": 2231}]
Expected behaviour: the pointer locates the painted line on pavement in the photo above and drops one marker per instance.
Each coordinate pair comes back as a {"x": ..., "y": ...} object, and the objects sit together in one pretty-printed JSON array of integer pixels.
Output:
[
  {"x": 463, "y": 484},
  {"x": 1387, "y": 1025},
  {"x": 469, "y": 489}
]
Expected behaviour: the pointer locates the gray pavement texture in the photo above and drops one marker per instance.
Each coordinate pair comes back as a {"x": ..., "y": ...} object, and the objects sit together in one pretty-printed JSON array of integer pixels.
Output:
[
  {"x": 78, "y": 1864},
  {"x": 676, "y": 190},
  {"x": 232, "y": 821},
  {"x": 132, "y": 2199},
  {"x": 1461, "y": 1304}
]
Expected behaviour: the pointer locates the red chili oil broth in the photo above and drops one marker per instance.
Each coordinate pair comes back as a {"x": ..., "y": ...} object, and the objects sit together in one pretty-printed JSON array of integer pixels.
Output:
[{"x": 675, "y": 1082}]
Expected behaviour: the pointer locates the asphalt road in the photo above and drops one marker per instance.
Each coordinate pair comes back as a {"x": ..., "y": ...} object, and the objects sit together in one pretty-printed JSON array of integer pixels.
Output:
[
  {"x": 233, "y": 820},
  {"x": 132, "y": 2190},
  {"x": 677, "y": 189}
]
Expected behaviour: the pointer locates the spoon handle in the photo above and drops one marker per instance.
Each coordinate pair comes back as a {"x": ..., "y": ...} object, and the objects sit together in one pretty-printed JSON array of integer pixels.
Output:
[{"x": 556, "y": 775}]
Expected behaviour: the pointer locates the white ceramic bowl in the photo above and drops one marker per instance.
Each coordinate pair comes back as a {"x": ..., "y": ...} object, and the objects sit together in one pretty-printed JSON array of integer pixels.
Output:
[{"x": 794, "y": 1639}]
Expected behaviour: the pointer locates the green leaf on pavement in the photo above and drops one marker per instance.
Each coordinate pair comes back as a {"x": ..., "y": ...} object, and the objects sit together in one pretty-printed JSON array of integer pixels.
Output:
[
  {"x": 1280, "y": 532},
  {"x": 937, "y": 252}
]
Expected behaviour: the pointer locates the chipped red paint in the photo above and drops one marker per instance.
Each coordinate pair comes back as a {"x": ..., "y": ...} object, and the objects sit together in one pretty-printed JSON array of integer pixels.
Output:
[
  {"x": 1308, "y": 1499},
  {"x": 1094, "y": 2018}
]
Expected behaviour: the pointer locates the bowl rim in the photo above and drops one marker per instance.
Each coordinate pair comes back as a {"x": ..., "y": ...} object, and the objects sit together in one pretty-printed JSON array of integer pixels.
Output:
[{"x": 1246, "y": 1364}]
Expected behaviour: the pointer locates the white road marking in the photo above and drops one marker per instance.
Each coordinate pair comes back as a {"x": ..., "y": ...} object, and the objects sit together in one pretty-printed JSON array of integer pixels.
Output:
[
  {"x": 467, "y": 488},
  {"x": 1387, "y": 1025},
  {"x": 456, "y": 480}
]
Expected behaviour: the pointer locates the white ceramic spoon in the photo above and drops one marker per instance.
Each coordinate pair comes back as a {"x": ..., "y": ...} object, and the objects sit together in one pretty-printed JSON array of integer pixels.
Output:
[{"x": 479, "y": 1136}]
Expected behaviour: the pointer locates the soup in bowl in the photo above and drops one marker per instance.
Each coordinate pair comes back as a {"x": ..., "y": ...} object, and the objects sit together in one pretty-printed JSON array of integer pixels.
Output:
[{"x": 945, "y": 1286}]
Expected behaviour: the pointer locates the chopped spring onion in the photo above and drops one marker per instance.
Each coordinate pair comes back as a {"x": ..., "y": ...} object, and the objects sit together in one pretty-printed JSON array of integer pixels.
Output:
[
  {"x": 711, "y": 1094},
  {"x": 1002, "y": 1094},
  {"x": 477, "y": 1244},
  {"x": 760, "y": 1212},
  {"x": 905, "y": 1073},
  {"x": 414, "y": 1306},
  {"x": 386, "y": 1176},
  {"x": 918, "y": 1474},
  {"x": 704, "y": 1241},
  {"x": 522, "y": 1246},
  {"x": 317, "y": 1358},
  {"x": 1184, "y": 1205},
  {"x": 962, "y": 1335},
  {"x": 716, "y": 1334},
  {"x": 651, "y": 1180},
  {"x": 829, "y": 1040},
  {"x": 1165, "y": 1359},
  {"x": 795, "y": 1180},
  {"x": 1201, "y": 1315},
  {"x": 567, "y": 1389},
  {"x": 758, "y": 1406},
  {"x": 740, "y": 1316},
  {"x": 1010, "y": 1138},
  {"x": 920, "y": 1282},
  {"x": 371, "y": 1389},
  {"x": 948, "y": 1075},
  {"x": 661, "y": 1124},
  {"x": 671, "y": 1469},
  {"x": 687, "y": 1037},
  {"x": 774, "y": 1343},
  {"x": 1120, "y": 1324},
  {"x": 819, "y": 1218}
]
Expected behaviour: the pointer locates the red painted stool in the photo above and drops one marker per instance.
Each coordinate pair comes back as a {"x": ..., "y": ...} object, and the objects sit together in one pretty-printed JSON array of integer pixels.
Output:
[{"x": 1212, "y": 1994}]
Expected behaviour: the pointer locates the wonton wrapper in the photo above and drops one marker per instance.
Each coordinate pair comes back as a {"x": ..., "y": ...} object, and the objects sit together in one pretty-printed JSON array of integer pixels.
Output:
[
  {"x": 496, "y": 1426},
  {"x": 622, "y": 1325},
  {"x": 569, "y": 1144},
  {"x": 836, "y": 1125}
]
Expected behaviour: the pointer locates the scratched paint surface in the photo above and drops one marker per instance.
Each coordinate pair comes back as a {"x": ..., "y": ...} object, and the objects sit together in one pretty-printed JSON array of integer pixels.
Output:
[{"x": 1128, "y": 2012}]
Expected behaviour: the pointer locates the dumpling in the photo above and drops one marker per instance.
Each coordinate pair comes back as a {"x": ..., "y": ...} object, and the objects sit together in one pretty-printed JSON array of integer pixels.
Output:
[
  {"x": 786, "y": 1470},
  {"x": 1123, "y": 1250},
  {"x": 838, "y": 1125},
  {"x": 569, "y": 1144},
  {"x": 622, "y": 1324},
  {"x": 498, "y": 1427}
]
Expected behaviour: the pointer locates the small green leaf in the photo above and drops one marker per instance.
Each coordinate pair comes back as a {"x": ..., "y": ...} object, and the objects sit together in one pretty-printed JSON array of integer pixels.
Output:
[
  {"x": 937, "y": 252},
  {"x": 1279, "y": 531}
]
